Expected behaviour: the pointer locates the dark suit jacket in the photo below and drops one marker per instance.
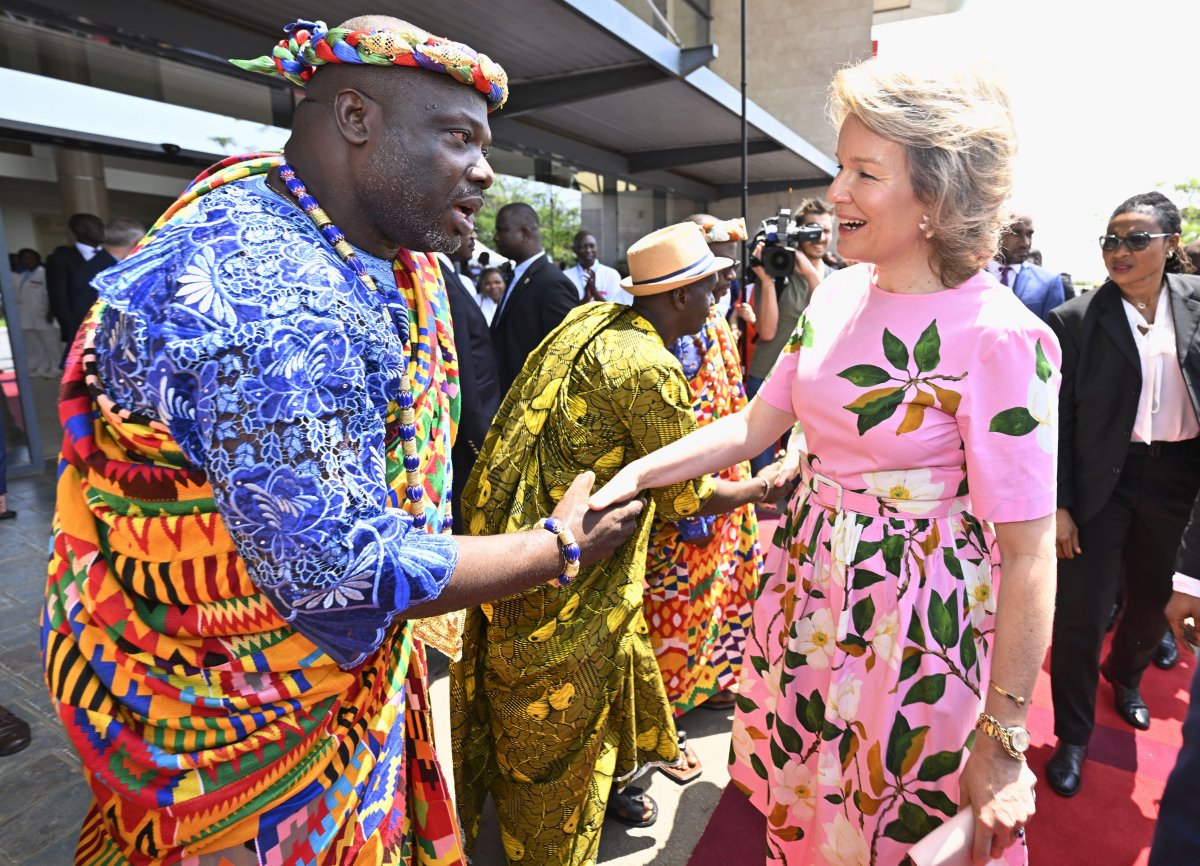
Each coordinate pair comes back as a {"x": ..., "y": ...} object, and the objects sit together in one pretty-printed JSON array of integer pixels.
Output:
[
  {"x": 1101, "y": 383},
  {"x": 81, "y": 295},
  {"x": 1038, "y": 289},
  {"x": 478, "y": 384},
  {"x": 1188, "y": 558},
  {"x": 533, "y": 308},
  {"x": 61, "y": 266}
]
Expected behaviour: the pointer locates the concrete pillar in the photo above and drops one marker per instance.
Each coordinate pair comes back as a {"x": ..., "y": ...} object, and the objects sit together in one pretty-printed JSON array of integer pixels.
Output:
[{"x": 81, "y": 182}]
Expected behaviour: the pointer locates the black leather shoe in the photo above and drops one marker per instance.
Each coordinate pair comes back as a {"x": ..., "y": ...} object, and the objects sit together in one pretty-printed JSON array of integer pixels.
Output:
[
  {"x": 1167, "y": 654},
  {"x": 1128, "y": 702},
  {"x": 1064, "y": 770},
  {"x": 14, "y": 733}
]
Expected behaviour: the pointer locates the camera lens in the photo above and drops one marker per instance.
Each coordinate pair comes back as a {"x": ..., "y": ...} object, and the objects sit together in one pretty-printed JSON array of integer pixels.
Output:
[{"x": 779, "y": 261}]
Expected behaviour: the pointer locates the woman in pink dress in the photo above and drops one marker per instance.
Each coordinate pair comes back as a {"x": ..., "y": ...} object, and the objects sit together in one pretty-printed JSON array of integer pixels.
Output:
[{"x": 927, "y": 393}]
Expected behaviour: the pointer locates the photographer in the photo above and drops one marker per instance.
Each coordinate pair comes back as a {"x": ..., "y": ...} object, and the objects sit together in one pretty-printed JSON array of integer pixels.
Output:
[{"x": 778, "y": 311}]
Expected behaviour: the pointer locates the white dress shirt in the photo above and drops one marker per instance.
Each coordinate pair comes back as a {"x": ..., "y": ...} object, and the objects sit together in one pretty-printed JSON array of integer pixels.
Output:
[
  {"x": 518, "y": 272},
  {"x": 487, "y": 306},
  {"x": 608, "y": 282},
  {"x": 996, "y": 269},
  {"x": 86, "y": 251}
]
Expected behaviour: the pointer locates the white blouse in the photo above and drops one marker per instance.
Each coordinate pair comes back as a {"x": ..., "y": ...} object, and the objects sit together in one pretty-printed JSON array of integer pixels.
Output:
[{"x": 1165, "y": 412}]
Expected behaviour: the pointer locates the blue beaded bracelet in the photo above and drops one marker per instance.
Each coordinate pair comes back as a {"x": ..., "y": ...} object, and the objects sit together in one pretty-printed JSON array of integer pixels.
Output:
[{"x": 567, "y": 547}]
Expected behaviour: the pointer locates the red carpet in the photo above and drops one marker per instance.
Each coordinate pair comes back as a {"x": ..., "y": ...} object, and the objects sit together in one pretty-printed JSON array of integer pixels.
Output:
[{"x": 1110, "y": 822}]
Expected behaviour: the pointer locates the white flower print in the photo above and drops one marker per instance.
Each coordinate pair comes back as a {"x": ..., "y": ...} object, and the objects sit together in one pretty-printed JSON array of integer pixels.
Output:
[
  {"x": 1042, "y": 403},
  {"x": 795, "y": 788},
  {"x": 815, "y": 638},
  {"x": 915, "y": 486},
  {"x": 846, "y": 845},
  {"x": 774, "y": 689},
  {"x": 829, "y": 769},
  {"x": 198, "y": 289},
  {"x": 843, "y": 700},
  {"x": 743, "y": 743},
  {"x": 886, "y": 642},
  {"x": 844, "y": 544},
  {"x": 981, "y": 601}
]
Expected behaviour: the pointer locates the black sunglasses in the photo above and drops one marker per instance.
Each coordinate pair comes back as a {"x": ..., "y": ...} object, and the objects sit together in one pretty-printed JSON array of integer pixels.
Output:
[{"x": 1135, "y": 241}]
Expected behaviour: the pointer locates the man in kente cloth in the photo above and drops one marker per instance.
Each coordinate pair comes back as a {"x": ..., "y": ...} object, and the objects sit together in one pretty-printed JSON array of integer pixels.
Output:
[
  {"x": 253, "y": 488},
  {"x": 557, "y": 698}
]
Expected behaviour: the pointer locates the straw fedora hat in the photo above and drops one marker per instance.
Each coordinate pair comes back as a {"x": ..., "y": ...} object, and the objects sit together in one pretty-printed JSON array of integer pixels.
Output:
[{"x": 670, "y": 258}]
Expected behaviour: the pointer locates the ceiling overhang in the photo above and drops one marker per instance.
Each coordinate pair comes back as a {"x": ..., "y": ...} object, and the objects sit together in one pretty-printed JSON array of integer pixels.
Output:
[{"x": 593, "y": 85}]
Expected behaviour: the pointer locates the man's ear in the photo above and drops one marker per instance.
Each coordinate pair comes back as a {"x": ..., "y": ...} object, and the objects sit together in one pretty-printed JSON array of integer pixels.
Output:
[
  {"x": 679, "y": 297},
  {"x": 355, "y": 114}
]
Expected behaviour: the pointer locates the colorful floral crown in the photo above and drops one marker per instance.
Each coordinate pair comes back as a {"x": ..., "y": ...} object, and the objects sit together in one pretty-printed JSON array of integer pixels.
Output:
[
  {"x": 311, "y": 44},
  {"x": 722, "y": 231}
]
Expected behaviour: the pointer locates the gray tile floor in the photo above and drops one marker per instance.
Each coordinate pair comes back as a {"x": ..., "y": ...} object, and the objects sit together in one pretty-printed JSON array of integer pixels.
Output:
[
  {"x": 42, "y": 794},
  {"x": 43, "y": 797}
]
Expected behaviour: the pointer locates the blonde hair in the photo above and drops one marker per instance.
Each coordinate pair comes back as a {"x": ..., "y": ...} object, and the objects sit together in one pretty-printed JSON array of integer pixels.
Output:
[{"x": 957, "y": 131}]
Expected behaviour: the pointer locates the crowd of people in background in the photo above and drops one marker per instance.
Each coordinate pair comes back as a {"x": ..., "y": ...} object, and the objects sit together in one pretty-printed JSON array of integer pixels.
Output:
[{"x": 555, "y": 473}]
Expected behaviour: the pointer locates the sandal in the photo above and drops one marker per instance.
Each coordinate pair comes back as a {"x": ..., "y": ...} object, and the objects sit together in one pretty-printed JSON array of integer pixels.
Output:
[
  {"x": 629, "y": 807},
  {"x": 721, "y": 702},
  {"x": 683, "y": 774}
]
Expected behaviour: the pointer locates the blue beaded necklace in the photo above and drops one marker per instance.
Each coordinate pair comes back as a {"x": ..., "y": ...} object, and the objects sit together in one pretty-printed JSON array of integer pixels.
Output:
[{"x": 415, "y": 491}]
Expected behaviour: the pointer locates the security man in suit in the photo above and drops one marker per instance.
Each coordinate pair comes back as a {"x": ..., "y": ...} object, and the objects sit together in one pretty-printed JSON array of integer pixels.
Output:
[
  {"x": 538, "y": 297},
  {"x": 1128, "y": 468},
  {"x": 477, "y": 382},
  {"x": 1037, "y": 288},
  {"x": 65, "y": 262},
  {"x": 1177, "y": 833}
]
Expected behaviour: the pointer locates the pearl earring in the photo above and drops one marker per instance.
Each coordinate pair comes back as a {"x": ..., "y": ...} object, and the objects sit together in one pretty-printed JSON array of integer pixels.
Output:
[{"x": 923, "y": 225}]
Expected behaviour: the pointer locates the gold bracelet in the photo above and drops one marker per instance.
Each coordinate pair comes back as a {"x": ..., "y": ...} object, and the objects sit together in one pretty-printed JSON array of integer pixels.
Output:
[{"x": 1016, "y": 699}]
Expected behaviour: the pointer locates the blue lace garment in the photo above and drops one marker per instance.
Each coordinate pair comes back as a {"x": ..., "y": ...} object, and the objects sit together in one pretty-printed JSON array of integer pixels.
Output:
[
  {"x": 691, "y": 351},
  {"x": 272, "y": 365}
]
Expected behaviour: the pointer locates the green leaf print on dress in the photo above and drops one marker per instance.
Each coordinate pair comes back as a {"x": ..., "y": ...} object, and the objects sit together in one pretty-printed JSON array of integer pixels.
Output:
[
  {"x": 1041, "y": 410},
  {"x": 879, "y": 404}
]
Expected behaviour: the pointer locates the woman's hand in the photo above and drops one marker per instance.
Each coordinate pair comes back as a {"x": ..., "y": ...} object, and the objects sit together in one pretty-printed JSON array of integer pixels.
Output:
[
  {"x": 999, "y": 790},
  {"x": 597, "y": 532},
  {"x": 623, "y": 487},
  {"x": 1066, "y": 535}
]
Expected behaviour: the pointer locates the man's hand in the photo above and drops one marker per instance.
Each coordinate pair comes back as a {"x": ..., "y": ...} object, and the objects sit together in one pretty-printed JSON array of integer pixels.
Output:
[
  {"x": 1180, "y": 608},
  {"x": 1066, "y": 535},
  {"x": 598, "y": 533},
  {"x": 590, "y": 292},
  {"x": 781, "y": 486}
]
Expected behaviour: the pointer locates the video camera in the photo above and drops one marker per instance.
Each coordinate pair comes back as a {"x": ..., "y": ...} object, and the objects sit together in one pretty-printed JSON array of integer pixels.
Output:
[{"x": 781, "y": 238}]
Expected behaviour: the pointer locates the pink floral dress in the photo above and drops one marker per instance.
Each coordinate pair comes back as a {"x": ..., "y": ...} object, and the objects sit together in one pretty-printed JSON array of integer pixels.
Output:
[{"x": 872, "y": 633}]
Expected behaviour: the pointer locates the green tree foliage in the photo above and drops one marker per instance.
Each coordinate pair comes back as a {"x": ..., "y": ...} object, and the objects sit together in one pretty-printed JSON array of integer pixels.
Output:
[
  {"x": 1190, "y": 210},
  {"x": 557, "y": 210}
]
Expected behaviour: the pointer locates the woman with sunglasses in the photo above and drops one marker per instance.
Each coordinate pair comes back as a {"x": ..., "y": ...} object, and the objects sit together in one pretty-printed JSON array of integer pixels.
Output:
[{"x": 1128, "y": 468}]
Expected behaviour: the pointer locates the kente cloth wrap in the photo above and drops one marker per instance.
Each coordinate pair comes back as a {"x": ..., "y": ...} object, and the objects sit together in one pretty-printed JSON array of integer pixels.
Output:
[
  {"x": 212, "y": 703},
  {"x": 558, "y": 695},
  {"x": 700, "y": 596},
  {"x": 723, "y": 231},
  {"x": 310, "y": 44}
]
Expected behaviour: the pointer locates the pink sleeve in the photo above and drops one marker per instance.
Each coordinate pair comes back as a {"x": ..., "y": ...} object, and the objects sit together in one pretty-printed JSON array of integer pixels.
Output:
[
  {"x": 1008, "y": 420},
  {"x": 777, "y": 389}
]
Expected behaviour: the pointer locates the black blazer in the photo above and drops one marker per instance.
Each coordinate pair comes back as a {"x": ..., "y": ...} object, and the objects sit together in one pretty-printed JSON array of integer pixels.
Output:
[
  {"x": 532, "y": 309},
  {"x": 82, "y": 296},
  {"x": 1188, "y": 559},
  {"x": 61, "y": 267},
  {"x": 477, "y": 381},
  {"x": 1101, "y": 383}
]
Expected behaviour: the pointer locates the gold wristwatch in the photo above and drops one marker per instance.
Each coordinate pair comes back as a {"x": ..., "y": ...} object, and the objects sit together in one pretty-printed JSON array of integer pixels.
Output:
[{"x": 1014, "y": 740}]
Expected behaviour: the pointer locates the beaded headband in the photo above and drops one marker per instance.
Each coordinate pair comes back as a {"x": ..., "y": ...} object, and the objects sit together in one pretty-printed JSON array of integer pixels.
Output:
[
  {"x": 723, "y": 231},
  {"x": 311, "y": 44}
]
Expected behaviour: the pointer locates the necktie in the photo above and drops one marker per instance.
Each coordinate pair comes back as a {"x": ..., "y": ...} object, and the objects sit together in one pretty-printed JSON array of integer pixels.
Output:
[{"x": 1004, "y": 272}]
